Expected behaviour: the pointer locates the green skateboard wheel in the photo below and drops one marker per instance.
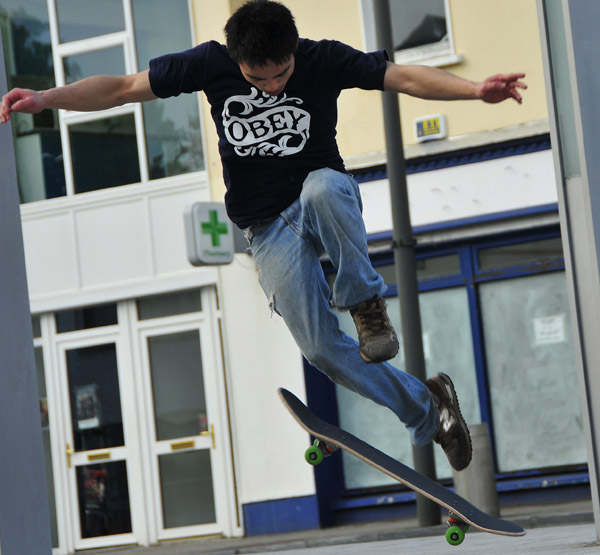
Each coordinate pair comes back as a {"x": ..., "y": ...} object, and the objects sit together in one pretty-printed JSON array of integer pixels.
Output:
[
  {"x": 313, "y": 454},
  {"x": 455, "y": 535}
]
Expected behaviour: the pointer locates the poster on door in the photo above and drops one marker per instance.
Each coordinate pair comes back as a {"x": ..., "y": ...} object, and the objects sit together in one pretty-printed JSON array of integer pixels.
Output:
[{"x": 87, "y": 407}]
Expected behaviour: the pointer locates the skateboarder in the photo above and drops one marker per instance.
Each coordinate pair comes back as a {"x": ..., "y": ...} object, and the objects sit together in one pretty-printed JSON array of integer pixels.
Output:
[{"x": 273, "y": 98}]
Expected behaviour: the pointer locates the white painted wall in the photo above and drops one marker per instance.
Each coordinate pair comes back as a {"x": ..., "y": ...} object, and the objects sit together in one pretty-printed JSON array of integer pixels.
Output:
[
  {"x": 262, "y": 356},
  {"x": 459, "y": 192},
  {"x": 110, "y": 245}
]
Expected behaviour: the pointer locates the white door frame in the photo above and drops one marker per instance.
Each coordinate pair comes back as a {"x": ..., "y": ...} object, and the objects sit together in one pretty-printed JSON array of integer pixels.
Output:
[{"x": 217, "y": 439}]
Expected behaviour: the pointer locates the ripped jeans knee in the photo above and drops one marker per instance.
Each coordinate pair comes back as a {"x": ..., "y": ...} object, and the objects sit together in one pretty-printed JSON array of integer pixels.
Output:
[{"x": 272, "y": 306}]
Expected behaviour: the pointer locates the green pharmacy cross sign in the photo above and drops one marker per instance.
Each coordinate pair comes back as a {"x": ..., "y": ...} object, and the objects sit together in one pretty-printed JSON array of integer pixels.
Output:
[
  {"x": 214, "y": 228},
  {"x": 209, "y": 234}
]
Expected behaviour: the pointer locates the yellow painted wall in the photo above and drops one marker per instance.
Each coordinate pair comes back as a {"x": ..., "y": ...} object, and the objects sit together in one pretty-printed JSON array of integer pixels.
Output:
[
  {"x": 492, "y": 36},
  {"x": 360, "y": 121},
  {"x": 209, "y": 20}
]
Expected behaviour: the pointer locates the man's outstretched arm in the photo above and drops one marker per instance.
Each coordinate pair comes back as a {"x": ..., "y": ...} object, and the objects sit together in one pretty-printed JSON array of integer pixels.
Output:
[
  {"x": 88, "y": 95},
  {"x": 436, "y": 84}
]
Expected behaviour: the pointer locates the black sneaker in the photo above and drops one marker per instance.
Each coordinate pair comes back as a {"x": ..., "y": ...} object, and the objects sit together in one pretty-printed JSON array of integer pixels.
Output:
[
  {"x": 453, "y": 434},
  {"x": 376, "y": 336}
]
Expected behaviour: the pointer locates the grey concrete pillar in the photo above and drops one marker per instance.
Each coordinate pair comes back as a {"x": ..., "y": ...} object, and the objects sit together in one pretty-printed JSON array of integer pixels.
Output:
[
  {"x": 570, "y": 47},
  {"x": 477, "y": 483},
  {"x": 24, "y": 517}
]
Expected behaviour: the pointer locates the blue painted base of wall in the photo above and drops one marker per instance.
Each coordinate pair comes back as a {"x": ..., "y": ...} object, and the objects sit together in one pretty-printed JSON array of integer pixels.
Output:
[{"x": 282, "y": 515}]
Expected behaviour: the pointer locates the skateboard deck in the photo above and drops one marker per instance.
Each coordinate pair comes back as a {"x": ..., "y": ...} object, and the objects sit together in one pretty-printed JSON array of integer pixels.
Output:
[{"x": 329, "y": 437}]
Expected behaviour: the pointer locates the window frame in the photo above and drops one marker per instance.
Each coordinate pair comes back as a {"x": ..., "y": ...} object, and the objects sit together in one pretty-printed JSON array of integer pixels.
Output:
[{"x": 436, "y": 54}]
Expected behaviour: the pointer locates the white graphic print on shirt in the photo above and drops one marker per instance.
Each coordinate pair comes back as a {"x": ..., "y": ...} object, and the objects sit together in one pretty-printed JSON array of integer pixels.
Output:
[{"x": 265, "y": 125}]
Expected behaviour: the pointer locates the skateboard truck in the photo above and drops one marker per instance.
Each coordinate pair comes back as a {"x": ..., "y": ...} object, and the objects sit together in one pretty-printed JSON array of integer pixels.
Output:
[{"x": 318, "y": 451}]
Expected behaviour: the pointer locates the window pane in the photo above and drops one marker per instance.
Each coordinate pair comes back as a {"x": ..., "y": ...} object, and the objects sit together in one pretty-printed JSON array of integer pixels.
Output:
[
  {"x": 438, "y": 266},
  {"x": 82, "y": 19},
  {"x": 172, "y": 304},
  {"x": 427, "y": 268},
  {"x": 95, "y": 397},
  {"x": 178, "y": 385},
  {"x": 109, "y": 61},
  {"x": 532, "y": 374},
  {"x": 520, "y": 254},
  {"x": 86, "y": 318},
  {"x": 173, "y": 137},
  {"x": 103, "y": 494},
  {"x": 28, "y": 61},
  {"x": 104, "y": 153},
  {"x": 186, "y": 485},
  {"x": 37, "y": 327},
  {"x": 417, "y": 23},
  {"x": 446, "y": 348}
]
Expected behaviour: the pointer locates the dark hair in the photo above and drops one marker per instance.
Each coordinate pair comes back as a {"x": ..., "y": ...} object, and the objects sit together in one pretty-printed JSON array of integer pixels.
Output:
[{"x": 261, "y": 31}]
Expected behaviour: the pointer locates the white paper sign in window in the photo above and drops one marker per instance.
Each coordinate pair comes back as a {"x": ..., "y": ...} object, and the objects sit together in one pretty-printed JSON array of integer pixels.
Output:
[{"x": 549, "y": 329}]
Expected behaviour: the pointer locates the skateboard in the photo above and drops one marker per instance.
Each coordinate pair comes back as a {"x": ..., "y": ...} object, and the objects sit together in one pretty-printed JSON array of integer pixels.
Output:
[{"x": 329, "y": 438}]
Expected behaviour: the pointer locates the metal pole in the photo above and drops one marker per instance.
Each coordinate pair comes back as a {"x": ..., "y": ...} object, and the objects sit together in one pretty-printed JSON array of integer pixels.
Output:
[
  {"x": 404, "y": 254},
  {"x": 24, "y": 515}
]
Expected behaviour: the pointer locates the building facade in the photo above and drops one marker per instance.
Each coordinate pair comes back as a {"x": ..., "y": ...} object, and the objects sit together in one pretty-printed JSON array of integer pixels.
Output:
[{"x": 158, "y": 379}]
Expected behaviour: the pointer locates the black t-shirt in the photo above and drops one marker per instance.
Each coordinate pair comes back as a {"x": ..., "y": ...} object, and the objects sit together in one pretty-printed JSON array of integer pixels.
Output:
[{"x": 268, "y": 145}]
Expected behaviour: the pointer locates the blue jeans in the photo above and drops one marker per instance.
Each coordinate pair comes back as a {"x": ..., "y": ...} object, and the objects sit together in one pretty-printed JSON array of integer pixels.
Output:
[{"x": 327, "y": 219}]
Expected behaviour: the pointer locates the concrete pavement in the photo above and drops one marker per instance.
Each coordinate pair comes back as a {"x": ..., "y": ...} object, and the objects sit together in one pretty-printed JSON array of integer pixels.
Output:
[{"x": 563, "y": 529}]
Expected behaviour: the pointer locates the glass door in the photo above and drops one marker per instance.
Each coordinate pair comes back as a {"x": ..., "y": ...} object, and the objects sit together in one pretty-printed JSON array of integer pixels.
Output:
[
  {"x": 138, "y": 405},
  {"x": 96, "y": 449},
  {"x": 184, "y": 429}
]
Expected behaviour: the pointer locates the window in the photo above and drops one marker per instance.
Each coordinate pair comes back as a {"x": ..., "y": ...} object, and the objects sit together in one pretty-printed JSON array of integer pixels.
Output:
[
  {"x": 169, "y": 304},
  {"x": 447, "y": 348},
  {"x": 417, "y": 24},
  {"x": 28, "y": 58},
  {"x": 173, "y": 138},
  {"x": 495, "y": 316},
  {"x": 86, "y": 318},
  {"x": 421, "y": 31},
  {"x": 63, "y": 153},
  {"x": 84, "y": 19},
  {"x": 544, "y": 251}
]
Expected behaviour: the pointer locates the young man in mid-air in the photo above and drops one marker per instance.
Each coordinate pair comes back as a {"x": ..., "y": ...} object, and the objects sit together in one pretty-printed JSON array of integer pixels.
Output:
[{"x": 273, "y": 99}]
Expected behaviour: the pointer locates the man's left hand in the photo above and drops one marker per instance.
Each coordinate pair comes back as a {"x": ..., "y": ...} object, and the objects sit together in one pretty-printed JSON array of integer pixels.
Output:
[{"x": 502, "y": 86}]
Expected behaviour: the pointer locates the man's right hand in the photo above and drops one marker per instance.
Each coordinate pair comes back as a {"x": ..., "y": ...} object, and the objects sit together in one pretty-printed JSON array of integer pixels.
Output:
[
  {"x": 99, "y": 92},
  {"x": 20, "y": 100}
]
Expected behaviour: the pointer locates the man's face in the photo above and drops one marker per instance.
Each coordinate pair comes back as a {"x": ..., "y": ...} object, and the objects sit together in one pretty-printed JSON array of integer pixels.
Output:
[{"x": 270, "y": 78}]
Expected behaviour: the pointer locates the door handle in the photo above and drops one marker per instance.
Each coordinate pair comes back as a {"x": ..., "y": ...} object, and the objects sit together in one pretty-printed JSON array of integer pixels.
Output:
[
  {"x": 210, "y": 433},
  {"x": 69, "y": 452}
]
